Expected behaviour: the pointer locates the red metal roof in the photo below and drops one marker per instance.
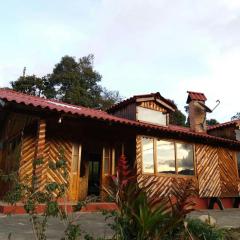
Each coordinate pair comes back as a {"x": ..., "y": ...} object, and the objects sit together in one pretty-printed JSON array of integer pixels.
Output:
[
  {"x": 133, "y": 99},
  {"x": 53, "y": 105},
  {"x": 223, "y": 125},
  {"x": 196, "y": 96}
]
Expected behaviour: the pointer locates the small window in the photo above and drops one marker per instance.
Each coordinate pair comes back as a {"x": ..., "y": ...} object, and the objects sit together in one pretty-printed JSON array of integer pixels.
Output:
[
  {"x": 147, "y": 152},
  {"x": 185, "y": 164},
  {"x": 238, "y": 163},
  {"x": 106, "y": 160},
  {"x": 165, "y": 157},
  {"x": 151, "y": 116},
  {"x": 76, "y": 157}
]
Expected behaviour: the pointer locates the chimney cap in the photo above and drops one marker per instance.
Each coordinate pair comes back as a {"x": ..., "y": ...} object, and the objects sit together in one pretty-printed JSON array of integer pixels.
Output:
[{"x": 196, "y": 96}]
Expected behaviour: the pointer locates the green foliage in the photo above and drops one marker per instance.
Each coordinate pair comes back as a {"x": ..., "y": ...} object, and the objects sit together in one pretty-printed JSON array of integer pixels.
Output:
[
  {"x": 177, "y": 117},
  {"x": 72, "y": 232},
  {"x": 204, "y": 231},
  {"x": 142, "y": 217},
  {"x": 236, "y": 116},
  {"x": 30, "y": 84},
  {"x": 72, "y": 81},
  {"x": 212, "y": 122}
]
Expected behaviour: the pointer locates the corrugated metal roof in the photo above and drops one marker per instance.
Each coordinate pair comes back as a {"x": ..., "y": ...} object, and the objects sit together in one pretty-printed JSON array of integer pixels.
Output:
[
  {"x": 195, "y": 96},
  {"x": 53, "y": 105}
]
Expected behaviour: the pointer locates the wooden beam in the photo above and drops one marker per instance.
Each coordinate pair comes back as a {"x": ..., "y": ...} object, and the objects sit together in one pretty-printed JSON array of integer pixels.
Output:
[{"x": 40, "y": 169}]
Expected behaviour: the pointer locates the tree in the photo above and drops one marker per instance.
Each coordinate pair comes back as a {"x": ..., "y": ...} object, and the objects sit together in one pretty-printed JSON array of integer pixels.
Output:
[
  {"x": 212, "y": 122},
  {"x": 30, "y": 84},
  {"x": 236, "y": 117},
  {"x": 177, "y": 117},
  {"x": 74, "y": 82}
]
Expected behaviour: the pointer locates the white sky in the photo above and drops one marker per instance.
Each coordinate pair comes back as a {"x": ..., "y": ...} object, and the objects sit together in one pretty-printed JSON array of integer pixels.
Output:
[{"x": 140, "y": 46}]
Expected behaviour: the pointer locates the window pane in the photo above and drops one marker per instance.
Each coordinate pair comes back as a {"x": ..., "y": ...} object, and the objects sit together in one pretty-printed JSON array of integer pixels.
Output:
[
  {"x": 107, "y": 157},
  {"x": 75, "y": 158},
  {"x": 147, "y": 155},
  {"x": 165, "y": 157},
  {"x": 152, "y": 116},
  {"x": 238, "y": 162},
  {"x": 185, "y": 160}
]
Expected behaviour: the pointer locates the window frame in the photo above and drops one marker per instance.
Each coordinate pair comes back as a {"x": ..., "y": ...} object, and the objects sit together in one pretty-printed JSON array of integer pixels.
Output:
[
  {"x": 156, "y": 173},
  {"x": 166, "y": 114}
]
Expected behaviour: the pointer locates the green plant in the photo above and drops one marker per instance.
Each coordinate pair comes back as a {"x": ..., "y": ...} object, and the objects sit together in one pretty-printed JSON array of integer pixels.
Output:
[
  {"x": 204, "y": 231},
  {"x": 142, "y": 217},
  {"x": 32, "y": 195}
]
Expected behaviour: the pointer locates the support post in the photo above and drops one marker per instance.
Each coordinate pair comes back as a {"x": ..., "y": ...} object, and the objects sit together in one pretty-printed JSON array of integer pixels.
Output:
[
  {"x": 40, "y": 164},
  {"x": 214, "y": 200}
]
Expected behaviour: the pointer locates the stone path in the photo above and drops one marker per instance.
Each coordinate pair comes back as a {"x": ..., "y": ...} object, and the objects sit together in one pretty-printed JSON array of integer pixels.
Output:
[
  {"x": 94, "y": 223},
  {"x": 228, "y": 218}
]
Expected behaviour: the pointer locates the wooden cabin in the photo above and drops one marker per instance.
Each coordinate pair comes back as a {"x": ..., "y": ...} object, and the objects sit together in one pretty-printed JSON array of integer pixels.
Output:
[{"x": 93, "y": 140}]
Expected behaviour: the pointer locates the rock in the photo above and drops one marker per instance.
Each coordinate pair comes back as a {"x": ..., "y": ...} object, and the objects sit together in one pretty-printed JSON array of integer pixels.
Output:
[{"x": 208, "y": 219}]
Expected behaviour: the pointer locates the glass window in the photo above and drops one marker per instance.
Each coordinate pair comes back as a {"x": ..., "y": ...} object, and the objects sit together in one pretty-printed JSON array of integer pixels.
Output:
[
  {"x": 151, "y": 116},
  {"x": 75, "y": 159},
  {"x": 238, "y": 163},
  {"x": 147, "y": 153},
  {"x": 107, "y": 158},
  {"x": 165, "y": 157},
  {"x": 185, "y": 164}
]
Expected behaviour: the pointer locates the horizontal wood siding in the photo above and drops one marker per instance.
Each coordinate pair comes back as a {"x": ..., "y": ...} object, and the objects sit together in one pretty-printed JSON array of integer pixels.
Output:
[{"x": 153, "y": 105}]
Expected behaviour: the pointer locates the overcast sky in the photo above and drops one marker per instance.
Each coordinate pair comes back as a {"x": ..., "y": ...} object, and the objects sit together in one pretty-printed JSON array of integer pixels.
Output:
[{"x": 140, "y": 46}]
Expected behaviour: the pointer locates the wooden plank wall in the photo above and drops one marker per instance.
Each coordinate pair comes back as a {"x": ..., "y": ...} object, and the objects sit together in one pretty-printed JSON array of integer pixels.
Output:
[
  {"x": 27, "y": 156},
  {"x": 53, "y": 146},
  {"x": 128, "y": 112},
  {"x": 40, "y": 170},
  {"x": 216, "y": 173}
]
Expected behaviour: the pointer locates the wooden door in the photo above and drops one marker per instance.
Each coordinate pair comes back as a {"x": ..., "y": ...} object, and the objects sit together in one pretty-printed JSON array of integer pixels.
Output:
[
  {"x": 75, "y": 171},
  {"x": 108, "y": 167}
]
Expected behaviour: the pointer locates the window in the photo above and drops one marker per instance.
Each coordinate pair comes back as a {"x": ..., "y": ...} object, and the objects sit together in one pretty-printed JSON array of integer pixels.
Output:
[
  {"x": 147, "y": 152},
  {"x": 106, "y": 160},
  {"x": 75, "y": 157},
  {"x": 238, "y": 163},
  {"x": 169, "y": 157},
  {"x": 185, "y": 164},
  {"x": 165, "y": 157},
  {"x": 151, "y": 116}
]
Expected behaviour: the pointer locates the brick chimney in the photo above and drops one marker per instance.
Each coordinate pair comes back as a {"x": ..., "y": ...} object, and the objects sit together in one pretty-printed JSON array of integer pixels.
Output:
[{"x": 197, "y": 111}]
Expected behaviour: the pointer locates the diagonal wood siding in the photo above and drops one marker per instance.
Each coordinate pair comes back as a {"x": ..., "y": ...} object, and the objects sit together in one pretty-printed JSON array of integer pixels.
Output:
[
  {"x": 216, "y": 173},
  {"x": 228, "y": 173},
  {"x": 206, "y": 158},
  {"x": 27, "y": 156},
  {"x": 53, "y": 147},
  {"x": 163, "y": 185}
]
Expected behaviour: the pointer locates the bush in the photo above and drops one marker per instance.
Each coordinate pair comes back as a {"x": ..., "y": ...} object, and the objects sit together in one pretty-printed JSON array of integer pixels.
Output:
[{"x": 204, "y": 231}]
